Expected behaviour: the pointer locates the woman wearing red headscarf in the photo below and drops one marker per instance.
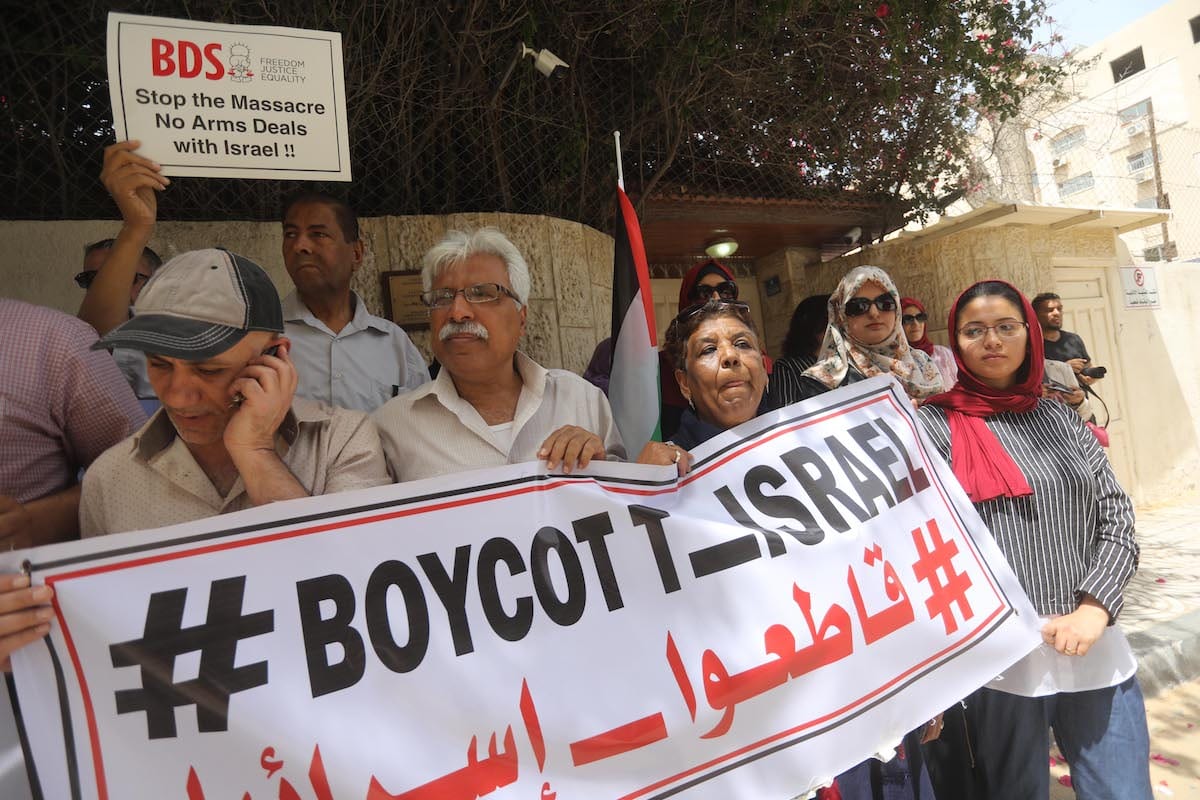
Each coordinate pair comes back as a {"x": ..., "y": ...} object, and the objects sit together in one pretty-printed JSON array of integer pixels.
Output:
[
  {"x": 1042, "y": 484},
  {"x": 913, "y": 318}
]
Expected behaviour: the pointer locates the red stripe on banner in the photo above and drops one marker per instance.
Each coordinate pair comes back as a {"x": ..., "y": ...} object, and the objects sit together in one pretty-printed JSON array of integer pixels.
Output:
[
  {"x": 88, "y": 711},
  {"x": 292, "y": 534},
  {"x": 638, "y": 251},
  {"x": 621, "y": 739},
  {"x": 618, "y": 740}
]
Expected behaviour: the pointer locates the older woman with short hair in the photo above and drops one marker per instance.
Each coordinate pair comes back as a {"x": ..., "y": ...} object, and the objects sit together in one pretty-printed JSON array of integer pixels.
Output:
[{"x": 718, "y": 367}]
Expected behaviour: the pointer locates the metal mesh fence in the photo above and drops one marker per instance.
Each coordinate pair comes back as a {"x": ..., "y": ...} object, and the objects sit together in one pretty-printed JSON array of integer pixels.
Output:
[
  {"x": 444, "y": 114},
  {"x": 803, "y": 98},
  {"x": 1105, "y": 161}
]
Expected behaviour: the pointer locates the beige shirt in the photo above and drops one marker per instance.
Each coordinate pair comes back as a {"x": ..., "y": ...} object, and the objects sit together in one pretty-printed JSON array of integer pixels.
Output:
[
  {"x": 151, "y": 479},
  {"x": 432, "y": 431}
]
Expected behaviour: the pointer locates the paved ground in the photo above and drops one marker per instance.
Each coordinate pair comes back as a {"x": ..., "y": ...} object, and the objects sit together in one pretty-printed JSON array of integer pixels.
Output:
[
  {"x": 1162, "y": 621},
  {"x": 1162, "y": 603}
]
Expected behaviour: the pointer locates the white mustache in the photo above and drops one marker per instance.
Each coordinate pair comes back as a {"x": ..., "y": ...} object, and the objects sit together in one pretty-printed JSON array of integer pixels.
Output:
[{"x": 469, "y": 327}]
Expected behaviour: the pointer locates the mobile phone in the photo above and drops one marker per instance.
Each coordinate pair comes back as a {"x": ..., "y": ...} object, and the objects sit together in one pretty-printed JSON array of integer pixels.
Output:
[
  {"x": 1055, "y": 386},
  {"x": 238, "y": 398}
]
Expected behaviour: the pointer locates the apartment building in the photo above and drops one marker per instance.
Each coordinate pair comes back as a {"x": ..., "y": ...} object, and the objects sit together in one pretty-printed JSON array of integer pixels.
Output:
[{"x": 1127, "y": 137}]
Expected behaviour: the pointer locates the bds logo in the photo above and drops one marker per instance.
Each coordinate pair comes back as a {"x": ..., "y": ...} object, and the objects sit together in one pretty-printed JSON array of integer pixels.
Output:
[{"x": 186, "y": 59}]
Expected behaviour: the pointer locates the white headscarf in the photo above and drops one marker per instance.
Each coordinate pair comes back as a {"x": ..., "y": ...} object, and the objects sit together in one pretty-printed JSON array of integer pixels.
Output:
[{"x": 916, "y": 371}]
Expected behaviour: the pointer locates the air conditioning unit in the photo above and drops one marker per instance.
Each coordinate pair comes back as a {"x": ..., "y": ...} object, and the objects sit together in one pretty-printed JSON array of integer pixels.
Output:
[
  {"x": 1134, "y": 129},
  {"x": 1060, "y": 163}
]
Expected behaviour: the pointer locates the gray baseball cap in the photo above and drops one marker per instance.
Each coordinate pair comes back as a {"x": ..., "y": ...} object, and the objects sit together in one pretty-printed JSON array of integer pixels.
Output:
[{"x": 198, "y": 305}]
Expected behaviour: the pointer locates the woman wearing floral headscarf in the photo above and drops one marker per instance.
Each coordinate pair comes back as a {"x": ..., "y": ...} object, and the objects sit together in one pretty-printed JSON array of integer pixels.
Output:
[{"x": 864, "y": 339}]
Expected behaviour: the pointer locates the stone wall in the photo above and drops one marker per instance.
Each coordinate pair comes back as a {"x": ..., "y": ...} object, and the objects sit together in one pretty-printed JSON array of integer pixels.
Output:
[
  {"x": 571, "y": 267},
  {"x": 936, "y": 271}
]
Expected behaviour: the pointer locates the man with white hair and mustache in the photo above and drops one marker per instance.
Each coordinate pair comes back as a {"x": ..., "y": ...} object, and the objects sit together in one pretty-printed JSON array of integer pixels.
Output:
[{"x": 490, "y": 404}]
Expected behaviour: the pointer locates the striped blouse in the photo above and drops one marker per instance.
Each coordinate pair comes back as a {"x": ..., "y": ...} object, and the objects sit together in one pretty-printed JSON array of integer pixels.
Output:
[
  {"x": 1075, "y": 533},
  {"x": 785, "y": 384}
]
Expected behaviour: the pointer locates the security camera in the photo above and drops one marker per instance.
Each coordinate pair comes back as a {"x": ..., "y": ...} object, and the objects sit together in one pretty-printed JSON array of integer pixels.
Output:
[
  {"x": 852, "y": 236},
  {"x": 544, "y": 61}
]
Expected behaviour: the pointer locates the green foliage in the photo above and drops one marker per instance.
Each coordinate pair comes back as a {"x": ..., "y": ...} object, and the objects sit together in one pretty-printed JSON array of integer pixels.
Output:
[{"x": 780, "y": 98}]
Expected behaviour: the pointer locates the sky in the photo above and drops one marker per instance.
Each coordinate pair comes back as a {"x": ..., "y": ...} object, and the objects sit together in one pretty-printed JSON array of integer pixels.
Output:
[{"x": 1085, "y": 22}]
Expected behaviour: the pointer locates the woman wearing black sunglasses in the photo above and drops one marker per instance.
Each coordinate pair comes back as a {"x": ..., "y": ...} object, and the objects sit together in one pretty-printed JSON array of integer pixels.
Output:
[
  {"x": 864, "y": 339},
  {"x": 914, "y": 318}
]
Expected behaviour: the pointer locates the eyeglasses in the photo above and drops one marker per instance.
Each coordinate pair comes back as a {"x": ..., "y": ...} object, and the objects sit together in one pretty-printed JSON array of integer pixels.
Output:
[
  {"x": 692, "y": 311},
  {"x": 1008, "y": 329},
  {"x": 857, "y": 306},
  {"x": 479, "y": 293},
  {"x": 726, "y": 290},
  {"x": 909, "y": 319},
  {"x": 84, "y": 279}
]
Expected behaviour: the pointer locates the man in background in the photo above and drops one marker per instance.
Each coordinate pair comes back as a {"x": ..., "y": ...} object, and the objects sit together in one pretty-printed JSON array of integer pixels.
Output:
[
  {"x": 1061, "y": 345},
  {"x": 345, "y": 355},
  {"x": 104, "y": 315},
  {"x": 61, "y": 406}
]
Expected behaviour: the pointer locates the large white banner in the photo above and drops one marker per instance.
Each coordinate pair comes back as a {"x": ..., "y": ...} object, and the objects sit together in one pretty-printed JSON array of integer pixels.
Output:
[
  {"x": 815, "y": 588},
  {"x": 230, "y": 101}
]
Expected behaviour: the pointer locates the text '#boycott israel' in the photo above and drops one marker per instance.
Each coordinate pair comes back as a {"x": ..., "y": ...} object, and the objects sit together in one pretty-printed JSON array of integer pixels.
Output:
[{"x": 814, "y": 588}]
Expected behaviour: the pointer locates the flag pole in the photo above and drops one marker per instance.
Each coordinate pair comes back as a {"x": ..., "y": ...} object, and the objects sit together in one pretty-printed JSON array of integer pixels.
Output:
[{"x": 620, "y": 169}]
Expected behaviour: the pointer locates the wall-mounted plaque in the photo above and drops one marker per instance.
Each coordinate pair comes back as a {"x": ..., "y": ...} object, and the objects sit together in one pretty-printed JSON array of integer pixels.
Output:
[{"x": 402, "y": 299}]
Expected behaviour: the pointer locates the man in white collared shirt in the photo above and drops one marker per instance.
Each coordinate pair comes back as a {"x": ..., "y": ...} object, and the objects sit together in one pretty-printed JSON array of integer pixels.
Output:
[
  {"x": 344, "y": 355},
  {"x": 490, "y": 404}
]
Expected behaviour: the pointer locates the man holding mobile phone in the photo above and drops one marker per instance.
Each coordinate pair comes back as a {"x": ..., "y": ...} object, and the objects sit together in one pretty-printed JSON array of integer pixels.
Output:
[
  {"x": 1061, "y": 345},
  {"x": 1060, "y": 383},
  {"x": 230, "y": 434}
]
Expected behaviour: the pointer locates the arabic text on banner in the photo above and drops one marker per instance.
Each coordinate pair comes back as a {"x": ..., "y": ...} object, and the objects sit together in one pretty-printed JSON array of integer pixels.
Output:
[{"x": 815, "y": 588}]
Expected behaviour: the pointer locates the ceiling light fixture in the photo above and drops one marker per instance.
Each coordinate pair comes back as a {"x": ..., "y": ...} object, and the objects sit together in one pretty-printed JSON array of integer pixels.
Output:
[{"x": 723, "y": 247}]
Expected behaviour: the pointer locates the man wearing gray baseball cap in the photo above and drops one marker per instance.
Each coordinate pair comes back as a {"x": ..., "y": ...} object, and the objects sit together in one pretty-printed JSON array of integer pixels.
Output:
[{"x": 230, "y": 434}]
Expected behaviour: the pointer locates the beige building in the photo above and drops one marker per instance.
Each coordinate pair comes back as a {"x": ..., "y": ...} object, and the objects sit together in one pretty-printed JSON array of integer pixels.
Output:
[
  {"x": 570, "y": 265},
  {"x": 1153, "y": 388},
  {"x": 1128, "y": 136}
]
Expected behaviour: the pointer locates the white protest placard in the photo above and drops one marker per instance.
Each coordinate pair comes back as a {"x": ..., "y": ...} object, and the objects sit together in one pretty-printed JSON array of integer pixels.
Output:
[
  {"x": 1140, "y": 287},
  {"x": 230, "y": 101},
  {"x": 817, "y": 586}
]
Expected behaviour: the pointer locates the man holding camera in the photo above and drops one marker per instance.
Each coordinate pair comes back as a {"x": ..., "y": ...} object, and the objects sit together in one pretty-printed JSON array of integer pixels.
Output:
[{"x": 1063, "y": 345}]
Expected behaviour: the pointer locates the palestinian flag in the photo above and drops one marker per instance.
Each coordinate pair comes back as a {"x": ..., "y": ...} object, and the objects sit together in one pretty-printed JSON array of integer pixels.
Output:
[{"x": 633, "y": 386}]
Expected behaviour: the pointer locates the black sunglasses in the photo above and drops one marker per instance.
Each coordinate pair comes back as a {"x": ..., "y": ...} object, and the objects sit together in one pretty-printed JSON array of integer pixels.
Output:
[
  {"x": 908, "y": 319},
  {"x": 84, "y": 279},
  {"x": 726, "y": 290},
  {"x": 857, "y": 306}
]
